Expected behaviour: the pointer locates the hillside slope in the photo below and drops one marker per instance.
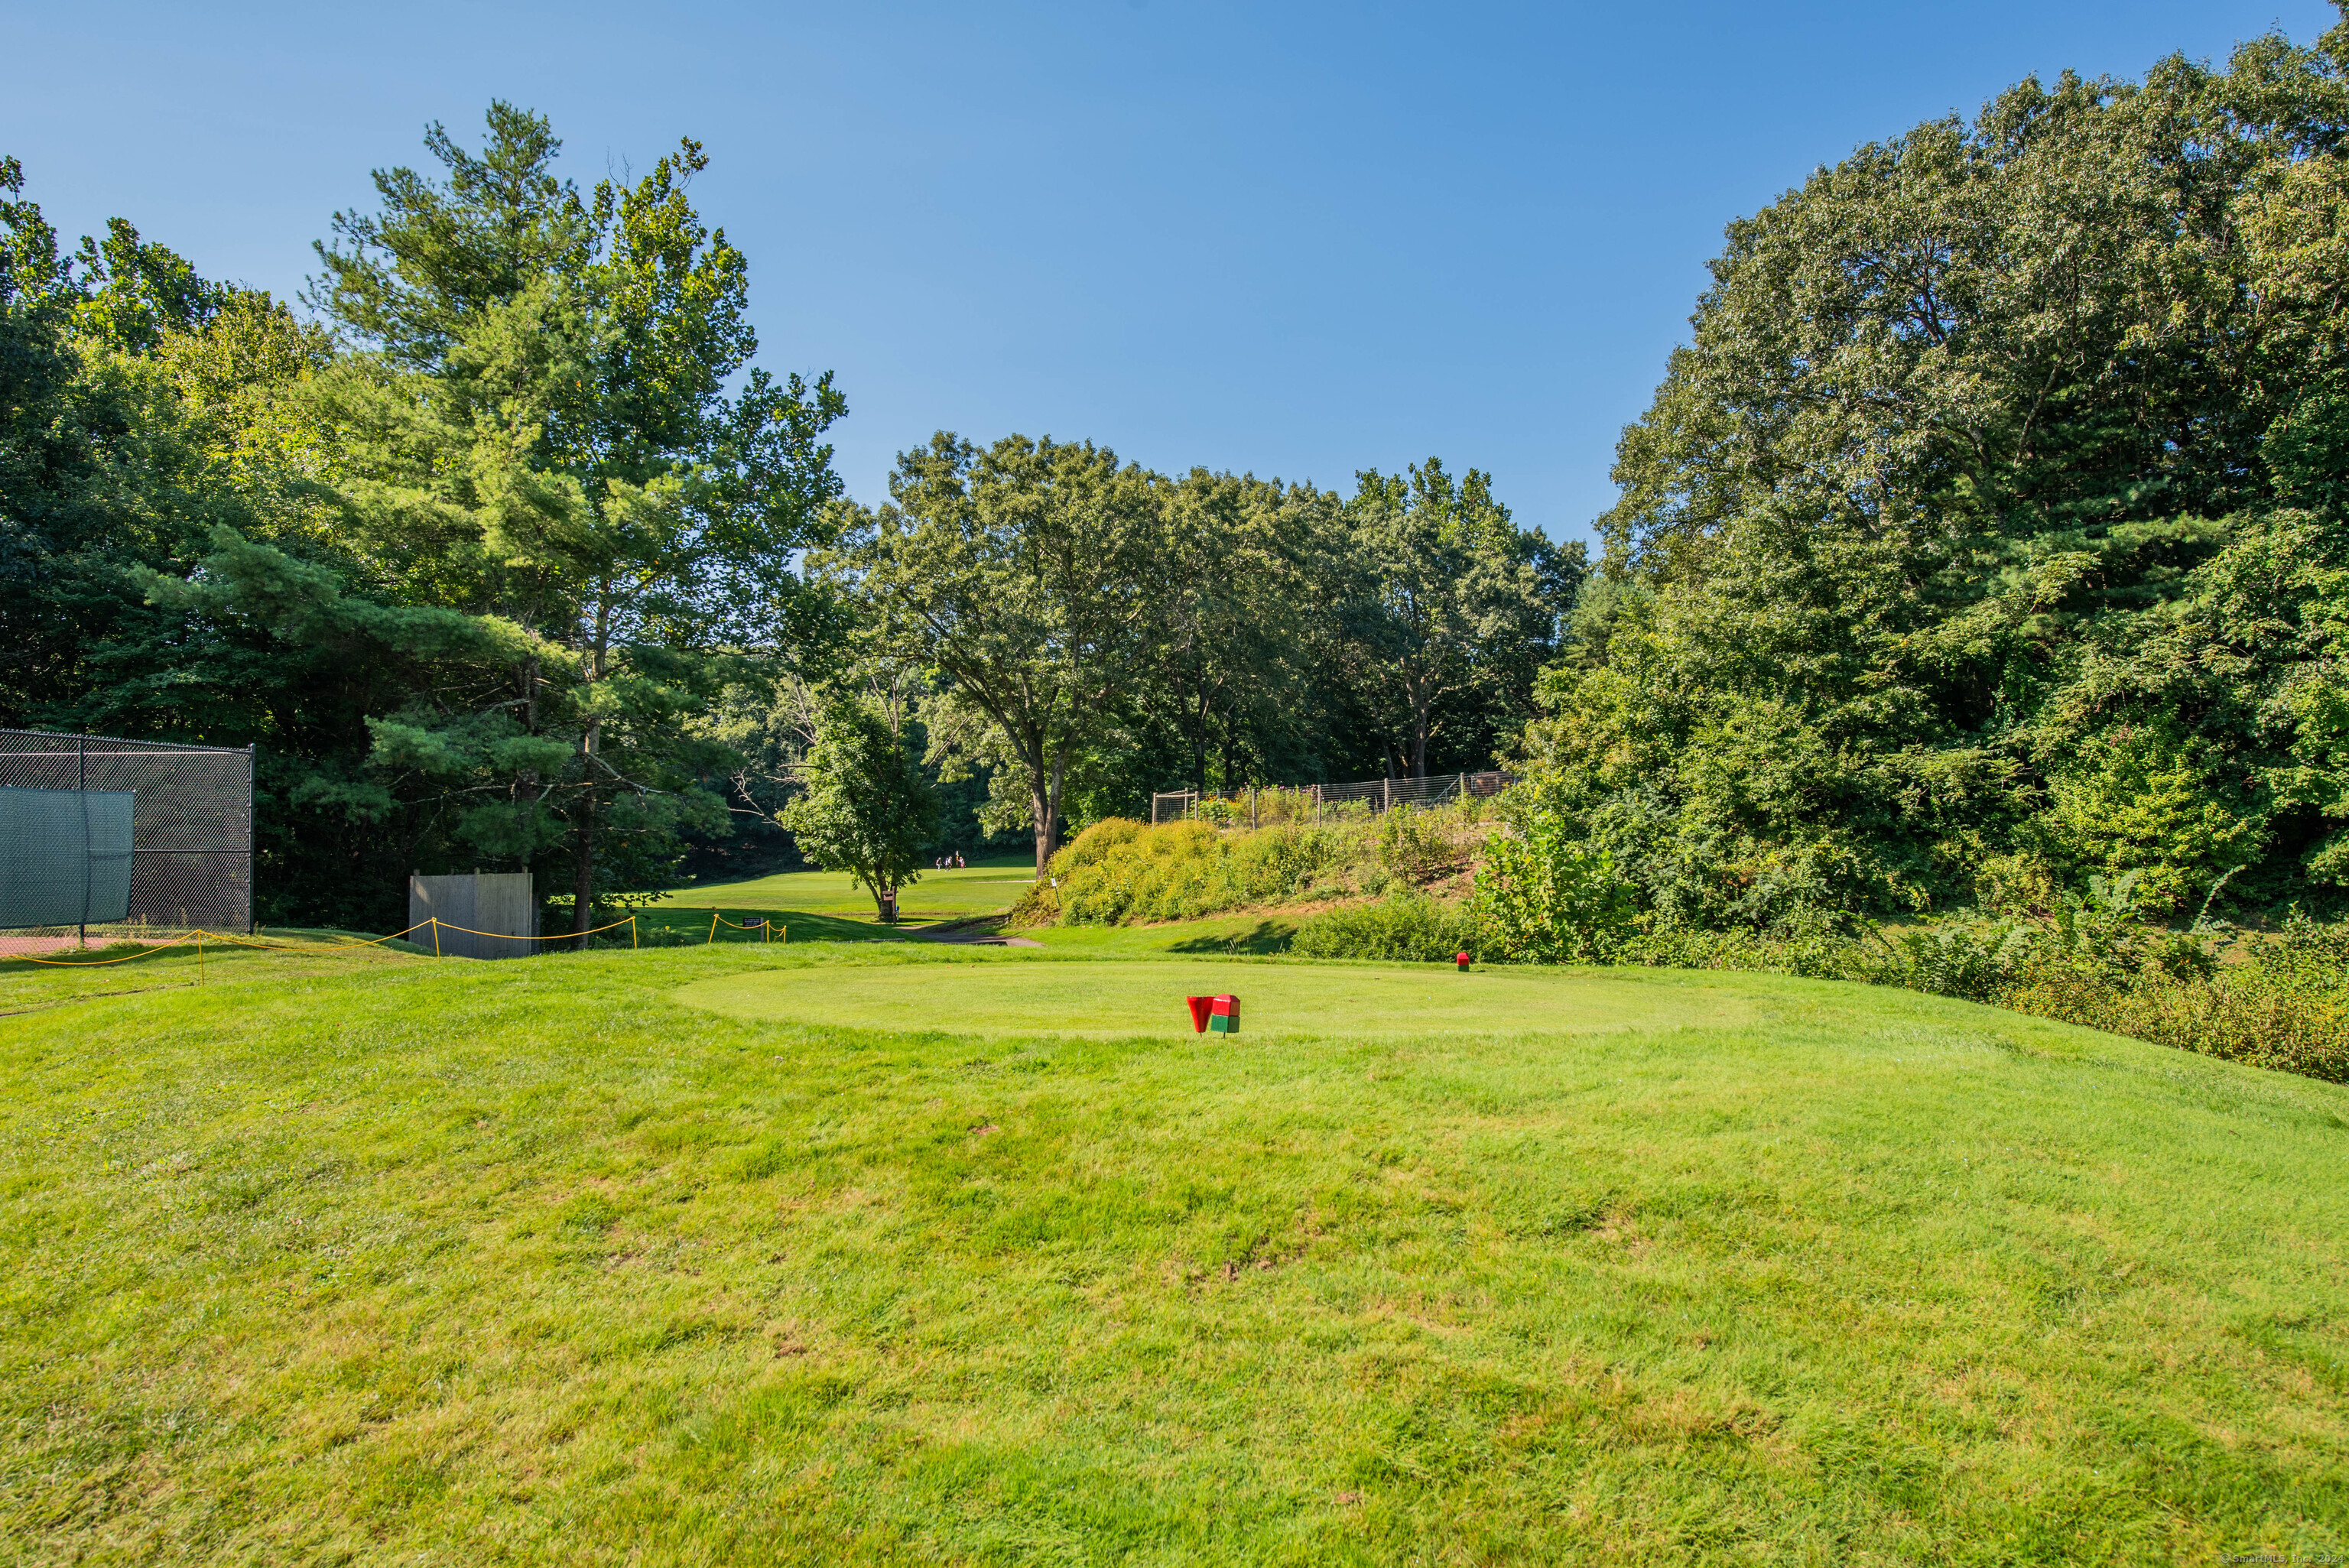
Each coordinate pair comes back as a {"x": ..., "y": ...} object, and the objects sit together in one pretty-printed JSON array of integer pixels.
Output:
[{"x": 397, "y": 1260}]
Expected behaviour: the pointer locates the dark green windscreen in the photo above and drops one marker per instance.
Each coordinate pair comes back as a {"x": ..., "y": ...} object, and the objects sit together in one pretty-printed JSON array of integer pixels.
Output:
[{"x": 65, "y": 856}]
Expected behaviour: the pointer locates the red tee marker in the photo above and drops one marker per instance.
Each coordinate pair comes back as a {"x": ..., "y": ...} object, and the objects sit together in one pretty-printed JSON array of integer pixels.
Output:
[
  {"x": 1463, "y": 960},
  {"x": 1225, "y": 1016},
  {"x": 1199, "y": 1005}
]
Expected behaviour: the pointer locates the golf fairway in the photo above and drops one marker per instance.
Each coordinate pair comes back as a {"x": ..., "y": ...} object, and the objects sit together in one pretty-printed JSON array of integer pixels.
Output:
[{"x": 1123, "y": 1000}]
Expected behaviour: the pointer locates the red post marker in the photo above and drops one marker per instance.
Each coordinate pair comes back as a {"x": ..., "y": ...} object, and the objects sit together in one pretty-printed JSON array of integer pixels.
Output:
[
  {"x": 1463, "y": 960},
  {"x": 1199, "y": 1005}
]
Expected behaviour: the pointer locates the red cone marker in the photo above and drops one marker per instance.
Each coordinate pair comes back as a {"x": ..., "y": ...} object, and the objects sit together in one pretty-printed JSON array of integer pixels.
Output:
[{"x": 1199, "y": 1005}]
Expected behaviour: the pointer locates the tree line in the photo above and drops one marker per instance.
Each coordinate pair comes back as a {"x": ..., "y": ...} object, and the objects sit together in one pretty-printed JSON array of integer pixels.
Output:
[
  {"x": 1985, "y": 545},
  {"x": 505, "y": 550}
]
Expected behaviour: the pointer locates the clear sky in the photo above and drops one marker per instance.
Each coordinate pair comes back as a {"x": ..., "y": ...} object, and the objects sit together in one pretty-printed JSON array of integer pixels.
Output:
[{"x": 1299, "y": 239}]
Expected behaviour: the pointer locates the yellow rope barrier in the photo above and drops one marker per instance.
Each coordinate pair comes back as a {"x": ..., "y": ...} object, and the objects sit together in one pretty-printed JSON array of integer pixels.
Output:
[
  {"x": 558, "y": 936},
  {"x": 319, "y": 947},
  {"x": 765, "y": 927},
  {"x": 150, "y": 947}
]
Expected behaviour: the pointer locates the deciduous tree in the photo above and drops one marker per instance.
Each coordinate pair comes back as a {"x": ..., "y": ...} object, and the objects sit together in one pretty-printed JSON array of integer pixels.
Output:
[
  {"x": 1024, "y": 578},
  {"x": 866, "y": 807}
]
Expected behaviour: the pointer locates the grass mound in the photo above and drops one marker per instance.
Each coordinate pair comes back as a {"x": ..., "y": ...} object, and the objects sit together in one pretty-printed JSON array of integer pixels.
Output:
[
  {"x": 1143, "y": 1000},
  {"x": 397, "y": 1259}
]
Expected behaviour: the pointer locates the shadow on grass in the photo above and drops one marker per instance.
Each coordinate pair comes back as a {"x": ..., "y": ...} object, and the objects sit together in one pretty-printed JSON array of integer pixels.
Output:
[{"x": 1268, "y": 936}]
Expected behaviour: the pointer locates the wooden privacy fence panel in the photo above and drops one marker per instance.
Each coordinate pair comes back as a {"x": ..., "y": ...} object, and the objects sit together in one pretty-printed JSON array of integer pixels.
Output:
[{"x": 503, "y": 905}]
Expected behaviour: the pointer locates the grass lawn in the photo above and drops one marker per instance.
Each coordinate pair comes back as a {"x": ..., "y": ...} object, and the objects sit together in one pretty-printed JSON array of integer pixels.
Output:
[
  {"x": 986, "y": 888},
  {"x": 900, "y": 1252}
]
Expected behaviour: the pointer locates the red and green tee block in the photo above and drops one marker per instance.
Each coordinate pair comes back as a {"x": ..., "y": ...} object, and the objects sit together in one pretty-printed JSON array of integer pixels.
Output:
[{"x": 1217, "y": 1015}]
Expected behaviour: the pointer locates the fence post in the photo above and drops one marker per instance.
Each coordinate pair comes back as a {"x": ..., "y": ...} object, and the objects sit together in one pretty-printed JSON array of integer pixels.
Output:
[{"x": 251, "y": 918}]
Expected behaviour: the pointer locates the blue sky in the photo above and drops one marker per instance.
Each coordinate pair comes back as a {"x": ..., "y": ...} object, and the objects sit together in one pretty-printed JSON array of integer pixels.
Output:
[{"x": 1296, "y": 240}]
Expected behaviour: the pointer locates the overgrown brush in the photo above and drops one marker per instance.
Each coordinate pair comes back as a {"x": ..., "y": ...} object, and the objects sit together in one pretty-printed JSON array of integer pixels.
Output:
[
  {"x": 1119, "y": 872},
  {"x": 2284, "y": 1005},
  {"x": 2279, "y": 1002},
  {"x": 1545, "y": 896}
]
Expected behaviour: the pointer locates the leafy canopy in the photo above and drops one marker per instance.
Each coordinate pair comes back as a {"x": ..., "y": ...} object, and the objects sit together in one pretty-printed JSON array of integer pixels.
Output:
[{"x": 868, "y": 809}]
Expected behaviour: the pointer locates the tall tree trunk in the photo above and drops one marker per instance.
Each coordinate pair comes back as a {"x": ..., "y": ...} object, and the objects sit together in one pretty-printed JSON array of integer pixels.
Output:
[
  {"x": 1040, "y": 810},
  {"x": 583, "y": 886},
  {"x": 525, "y": 797},
  {"x": 1198, "y": 728},
  {"x": 1044, "y": 802},
  {"x": 583, "y": 868}
]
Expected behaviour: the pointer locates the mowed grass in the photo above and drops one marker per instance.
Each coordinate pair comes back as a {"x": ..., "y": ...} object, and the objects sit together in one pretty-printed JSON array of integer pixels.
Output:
[
  {"x": 1145, "y": 1000},
  {"x": 987, "y": 888},
  {"x": 384, "y": 1259}
]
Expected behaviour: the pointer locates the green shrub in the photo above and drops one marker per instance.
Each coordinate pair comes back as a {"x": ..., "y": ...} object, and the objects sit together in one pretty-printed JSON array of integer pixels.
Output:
[
  {"x": 1409, "y": 927},
  {"x": 1819, "y": 953},
  {"x": 1549, "y": 897}
]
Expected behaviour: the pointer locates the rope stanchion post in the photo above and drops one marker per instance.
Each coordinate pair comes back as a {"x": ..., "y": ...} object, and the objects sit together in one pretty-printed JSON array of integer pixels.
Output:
[
  {"x": 436, "y": 936},
  {"x": 713, "y": 928},
  {"x": 632, "y": 934}
]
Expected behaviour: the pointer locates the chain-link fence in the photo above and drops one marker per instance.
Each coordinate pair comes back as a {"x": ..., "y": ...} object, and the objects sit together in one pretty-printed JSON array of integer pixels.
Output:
[
  {"x": 1273, "y": 804},
  {"x": 190, "y": 822}
]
